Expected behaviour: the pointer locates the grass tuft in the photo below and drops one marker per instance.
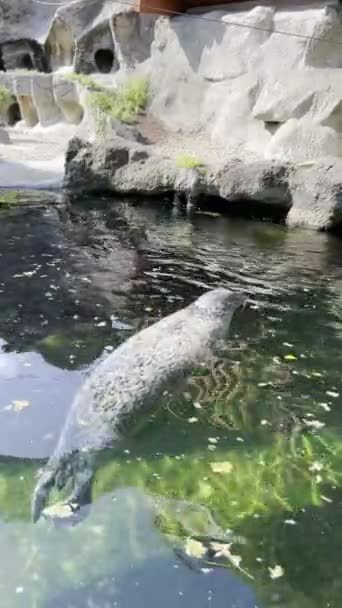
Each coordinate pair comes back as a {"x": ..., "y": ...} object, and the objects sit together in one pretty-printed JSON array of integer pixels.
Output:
[
  {"x": 187, "y": 161},
  {"x": 6, "y": 97},
  {"x": 84, "y": 80},
  {"x": 124, "y": 103}
]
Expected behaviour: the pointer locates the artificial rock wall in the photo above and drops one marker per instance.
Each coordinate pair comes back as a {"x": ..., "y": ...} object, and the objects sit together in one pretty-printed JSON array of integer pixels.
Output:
[{"x": 226, "y": 73}]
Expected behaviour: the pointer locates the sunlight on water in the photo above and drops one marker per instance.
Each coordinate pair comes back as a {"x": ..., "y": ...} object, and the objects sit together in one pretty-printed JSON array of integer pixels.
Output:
[{"x": 230, "y": 495}]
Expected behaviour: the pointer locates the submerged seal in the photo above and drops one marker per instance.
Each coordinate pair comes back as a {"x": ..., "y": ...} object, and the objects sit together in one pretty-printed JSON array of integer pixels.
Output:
[{"x": 132, "y": 380}]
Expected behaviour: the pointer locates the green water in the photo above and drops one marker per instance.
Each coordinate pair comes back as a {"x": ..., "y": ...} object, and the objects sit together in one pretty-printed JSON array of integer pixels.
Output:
[{"x": 251, "y": 450}]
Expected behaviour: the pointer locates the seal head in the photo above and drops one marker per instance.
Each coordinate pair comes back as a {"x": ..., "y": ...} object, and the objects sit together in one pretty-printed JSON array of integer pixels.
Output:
[{"x": 219, "y": 304}]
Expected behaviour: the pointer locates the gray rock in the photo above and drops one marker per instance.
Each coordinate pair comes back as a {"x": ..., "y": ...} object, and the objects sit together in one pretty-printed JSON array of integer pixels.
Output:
[
  {"x": 67, "y": 98},
  {"x": 4, "y": 137},
  {"x": 130, "y": 167},
  {"x": 316, "y": 191},
  {"x": 309, "y": 194}
]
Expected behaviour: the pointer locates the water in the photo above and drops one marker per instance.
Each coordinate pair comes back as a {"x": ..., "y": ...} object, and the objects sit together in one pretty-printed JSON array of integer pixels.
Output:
[{"x": 251, "y": 451}]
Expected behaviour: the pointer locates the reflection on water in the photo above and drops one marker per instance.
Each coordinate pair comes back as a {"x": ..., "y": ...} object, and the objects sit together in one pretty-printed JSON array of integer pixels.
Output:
[{"x": 253, "y": 445}]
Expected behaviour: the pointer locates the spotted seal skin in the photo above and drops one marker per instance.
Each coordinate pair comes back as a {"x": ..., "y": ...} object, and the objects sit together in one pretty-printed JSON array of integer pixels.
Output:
[{"x": 132, "y": 380}]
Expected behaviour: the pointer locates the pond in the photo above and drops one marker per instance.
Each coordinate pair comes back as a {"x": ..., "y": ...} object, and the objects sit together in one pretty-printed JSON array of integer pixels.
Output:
[{"x": 229, "y": 496}]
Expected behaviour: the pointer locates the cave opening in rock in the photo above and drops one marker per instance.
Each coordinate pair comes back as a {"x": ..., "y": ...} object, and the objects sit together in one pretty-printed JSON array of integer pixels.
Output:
[
  {"x": 13, "y": 114},
  {"x": 26, "y": 62},
  {"x": 104, "y": 60}
]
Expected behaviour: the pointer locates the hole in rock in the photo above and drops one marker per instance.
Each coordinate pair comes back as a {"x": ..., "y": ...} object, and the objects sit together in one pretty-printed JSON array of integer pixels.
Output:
[
  {"x": 2, "y": 67},
  {"x": 247, "y": 208},
  {"x": 26, "y": 62},
  {"x": 13, "y": 114},
  {"x": 104, "y": 60},
  {"x": 272, "y": 126}
]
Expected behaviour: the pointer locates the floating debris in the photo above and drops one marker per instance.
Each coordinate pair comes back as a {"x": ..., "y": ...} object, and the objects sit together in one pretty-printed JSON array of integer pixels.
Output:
[
  {"x": 316, "y": 467},
  {"x": 19, "y": 405},
  {"x": 57, "y": 511},
  {"x": 325, "y": 407},
  {"x": 221, "y": 467},
  {"x": 194, "y": 548},
  {"x": 276, "y": 572},
  {"x": 315, "y": 424}
]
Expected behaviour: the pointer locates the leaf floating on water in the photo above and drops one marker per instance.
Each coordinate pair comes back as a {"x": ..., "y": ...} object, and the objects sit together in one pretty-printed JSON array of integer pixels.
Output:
[
  {"x": 325, "y": 407},
  {"x": 276, "y": 572},
  {"x": 222, "y": 549},
  {"x": 221, "y": 467},
  {"x": 235, "y": 560},
  {"x": 314, "y": 424},
  {"x": 333, "y": 394},
  {"x": 194, "y": 548},
  {"x": 58, "y": 511},
  {"x": 20, "y": 404},
  {"x": 316, "y": 467},
  {"x": 290, "y": 357}
]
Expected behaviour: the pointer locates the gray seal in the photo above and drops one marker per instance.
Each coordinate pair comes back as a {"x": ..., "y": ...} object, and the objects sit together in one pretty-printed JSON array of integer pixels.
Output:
[{"x": 131, "y": 381}]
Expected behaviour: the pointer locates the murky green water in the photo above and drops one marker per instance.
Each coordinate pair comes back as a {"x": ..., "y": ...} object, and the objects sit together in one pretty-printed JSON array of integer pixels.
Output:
[{"x": 252, "y": 451}]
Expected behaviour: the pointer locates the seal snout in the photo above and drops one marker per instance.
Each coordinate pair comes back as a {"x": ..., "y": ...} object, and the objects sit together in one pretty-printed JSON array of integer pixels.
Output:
[{"x": 220, "y": 302}]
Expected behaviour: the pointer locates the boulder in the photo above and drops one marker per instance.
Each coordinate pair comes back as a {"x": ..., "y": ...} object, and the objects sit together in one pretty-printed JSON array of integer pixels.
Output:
[
  {"x": 309, "y": 194},
  {"x": 302, "y": 140},
  {"x": 4, "y": 137},
  {"x": 316, "y": 192}
]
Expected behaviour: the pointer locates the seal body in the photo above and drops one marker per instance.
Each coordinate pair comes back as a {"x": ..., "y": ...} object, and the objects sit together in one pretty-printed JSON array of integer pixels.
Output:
[{"x": 131, "y": 380}]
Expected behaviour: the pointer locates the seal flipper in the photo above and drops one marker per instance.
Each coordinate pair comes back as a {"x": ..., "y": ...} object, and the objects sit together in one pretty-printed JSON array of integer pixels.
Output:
[
  {"x": 82, "y": 475},
  {"x": 41, "y": 492},
  {"x": 76, "y": 467}
]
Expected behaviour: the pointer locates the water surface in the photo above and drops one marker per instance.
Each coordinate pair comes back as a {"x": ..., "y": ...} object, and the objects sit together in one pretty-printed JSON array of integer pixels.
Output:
[{"x": 252, "y": 448}]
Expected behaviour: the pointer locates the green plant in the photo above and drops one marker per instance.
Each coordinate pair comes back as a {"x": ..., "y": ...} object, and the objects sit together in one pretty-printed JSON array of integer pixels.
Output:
[
  {"x": 131, "y": 99},
  {"x": 187, "y": 161},
  {"x": 124, "y": 103},
  {"x": 84, "y": 80},
  {"x": 102, "y": 101},
  {"x": 6, "y": 97},
  {"x": 9, "y": 198}
]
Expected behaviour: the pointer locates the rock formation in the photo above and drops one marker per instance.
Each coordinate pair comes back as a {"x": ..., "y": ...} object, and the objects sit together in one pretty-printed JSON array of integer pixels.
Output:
[{"x": 226, "y": 88}]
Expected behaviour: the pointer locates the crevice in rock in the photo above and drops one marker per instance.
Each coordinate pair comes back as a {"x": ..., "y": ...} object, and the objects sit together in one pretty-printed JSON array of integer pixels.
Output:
[
  {"x": 104, "y": 60},
  {"x": 2, "y": 66},
  {"x": 244, "y": 208},
  {"x": 13, "y": 114},
  {"x": 272, "y": 126}
]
